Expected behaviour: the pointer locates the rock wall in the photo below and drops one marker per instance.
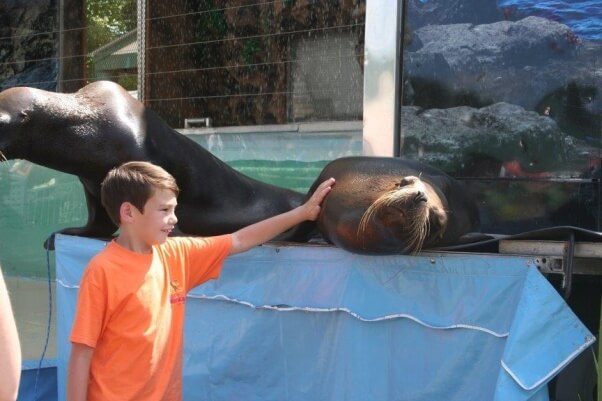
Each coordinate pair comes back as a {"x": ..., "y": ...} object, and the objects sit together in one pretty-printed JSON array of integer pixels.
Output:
[
  {"x": 238, "y": 65},
  {"x": 28, "y": 43},
  {"x": 535, "y": 64}
]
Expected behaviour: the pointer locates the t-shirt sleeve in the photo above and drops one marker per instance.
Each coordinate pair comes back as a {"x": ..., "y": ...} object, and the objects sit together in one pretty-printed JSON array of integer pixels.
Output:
[
  {"x": 205, "y": 257},
  {"x": 91, "y": 308}
]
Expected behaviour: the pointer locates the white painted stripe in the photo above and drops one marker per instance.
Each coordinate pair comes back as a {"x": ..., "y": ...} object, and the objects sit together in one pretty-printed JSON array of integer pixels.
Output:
[
  {"x": 589, "y": 341},
  {"x": 355, "y": 315}
]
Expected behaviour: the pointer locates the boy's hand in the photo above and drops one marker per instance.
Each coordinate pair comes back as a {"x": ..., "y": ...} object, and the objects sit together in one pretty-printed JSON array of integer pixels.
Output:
[
  {"x": 312, "y": 207},
  {"x": 265, "y": 230}
]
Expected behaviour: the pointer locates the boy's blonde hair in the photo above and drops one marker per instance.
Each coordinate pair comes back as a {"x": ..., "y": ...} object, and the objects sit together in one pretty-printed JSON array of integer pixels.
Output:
[{"x": 133, "y": 182}]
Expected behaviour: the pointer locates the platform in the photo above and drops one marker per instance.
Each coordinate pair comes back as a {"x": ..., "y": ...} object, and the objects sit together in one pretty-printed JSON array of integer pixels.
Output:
[{"x": 316, "y": 322}]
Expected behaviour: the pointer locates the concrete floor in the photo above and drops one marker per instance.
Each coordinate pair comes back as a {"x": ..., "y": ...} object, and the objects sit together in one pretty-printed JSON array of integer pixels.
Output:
[{"x": 29, "y": 299}]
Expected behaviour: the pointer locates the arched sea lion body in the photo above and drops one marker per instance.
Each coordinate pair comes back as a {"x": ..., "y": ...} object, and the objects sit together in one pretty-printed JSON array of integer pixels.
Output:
[
  {"x": 382, "y": 205},
  {"x": 101, "y": 126}
]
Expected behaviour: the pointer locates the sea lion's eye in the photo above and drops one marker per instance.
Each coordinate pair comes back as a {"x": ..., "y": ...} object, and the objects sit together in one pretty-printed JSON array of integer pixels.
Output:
[{"x": 409, "y": 180}]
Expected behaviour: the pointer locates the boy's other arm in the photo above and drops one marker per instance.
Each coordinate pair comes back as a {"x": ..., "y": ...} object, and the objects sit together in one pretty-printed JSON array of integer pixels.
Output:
[
  {"x": 10, "y": 350},
  {"x": 263, "y": 231},
  {"x": 79, "y": 372}
]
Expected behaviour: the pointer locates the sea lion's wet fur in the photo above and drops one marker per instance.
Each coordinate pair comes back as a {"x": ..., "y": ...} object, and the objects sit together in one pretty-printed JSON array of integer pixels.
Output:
[
  {"x": 102, "y": 126},
  {"x": 390, "y": 206}
]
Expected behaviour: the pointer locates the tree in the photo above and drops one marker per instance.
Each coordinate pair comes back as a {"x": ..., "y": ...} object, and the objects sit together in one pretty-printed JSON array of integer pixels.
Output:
[{"x": 108, "y": 20}]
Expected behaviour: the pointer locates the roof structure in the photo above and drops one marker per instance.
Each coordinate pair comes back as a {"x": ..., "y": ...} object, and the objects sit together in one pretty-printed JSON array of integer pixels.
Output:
[{"x": 120, "y": 54}]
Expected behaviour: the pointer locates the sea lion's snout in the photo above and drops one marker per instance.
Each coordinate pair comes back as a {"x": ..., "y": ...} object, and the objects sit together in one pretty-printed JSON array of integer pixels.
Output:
[
  {"x": 413, "y": 188},
  {"x": 420, "y": 197}
]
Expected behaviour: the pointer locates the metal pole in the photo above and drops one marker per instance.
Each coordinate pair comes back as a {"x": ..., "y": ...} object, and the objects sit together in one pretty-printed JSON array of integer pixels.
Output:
[
  {"x": 61, "y": 46},
  {"x": 382, "y": 77},
  {"x": 141, "y": 48}
]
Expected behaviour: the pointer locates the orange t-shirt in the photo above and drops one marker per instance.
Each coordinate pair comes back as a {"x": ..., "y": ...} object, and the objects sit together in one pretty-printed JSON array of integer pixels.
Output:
[{"x": 130, "y": 309}]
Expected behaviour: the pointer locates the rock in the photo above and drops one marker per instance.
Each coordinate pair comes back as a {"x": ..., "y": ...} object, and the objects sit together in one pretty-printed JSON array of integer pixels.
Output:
[
  {"x": 26, "y": 29},
  {"x": 42, "y": 75},
  {"x": 534, "y": 63},
  {"x": 472, "y": 48},
  {"x": 466, "y": 141}
]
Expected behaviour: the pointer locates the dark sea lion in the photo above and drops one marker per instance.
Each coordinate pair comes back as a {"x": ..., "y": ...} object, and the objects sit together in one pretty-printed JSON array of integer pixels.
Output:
[
  {"x": 101, "y": 126},
  {"x": 382, "y": 205}
]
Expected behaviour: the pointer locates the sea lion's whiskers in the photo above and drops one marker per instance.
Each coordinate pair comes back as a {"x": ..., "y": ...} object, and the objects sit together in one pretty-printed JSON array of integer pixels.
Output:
[
  {"x": 3, "y": 159},
  {"x": 418, "y": 232},
  {"x": 422, "y": 235},
  {"x": 386, "y": 199}
]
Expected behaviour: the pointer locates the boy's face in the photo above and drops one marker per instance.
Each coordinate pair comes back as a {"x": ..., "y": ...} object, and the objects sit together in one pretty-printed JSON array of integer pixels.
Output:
[{"x": 158, "y": 219}]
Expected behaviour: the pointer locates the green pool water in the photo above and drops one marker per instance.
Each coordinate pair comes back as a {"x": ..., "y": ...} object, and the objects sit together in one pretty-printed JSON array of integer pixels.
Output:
[
  {"x": 36, "y": 201},
  {"x": 294, "y": 175}
]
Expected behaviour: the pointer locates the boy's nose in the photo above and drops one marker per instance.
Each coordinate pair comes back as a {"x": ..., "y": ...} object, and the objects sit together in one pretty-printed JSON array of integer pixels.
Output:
[{"x": 173, "y": 219}]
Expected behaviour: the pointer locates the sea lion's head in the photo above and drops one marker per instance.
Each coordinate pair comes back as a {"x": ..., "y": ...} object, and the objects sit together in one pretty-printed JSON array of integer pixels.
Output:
[
  {"x": 32, "y": 120},
  {"x": 412, "y": 210},
  {"x": 16, "y": 107}
]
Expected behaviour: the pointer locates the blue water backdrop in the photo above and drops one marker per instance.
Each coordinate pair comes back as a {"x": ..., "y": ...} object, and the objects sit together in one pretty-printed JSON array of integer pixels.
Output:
[{"x": 584, "y": 17}]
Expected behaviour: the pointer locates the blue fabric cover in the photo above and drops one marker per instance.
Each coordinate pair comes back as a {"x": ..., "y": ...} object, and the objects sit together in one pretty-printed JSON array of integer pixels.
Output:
[
  {"x": 319, "y": 323},
  {"x": 38, "y": 384}
]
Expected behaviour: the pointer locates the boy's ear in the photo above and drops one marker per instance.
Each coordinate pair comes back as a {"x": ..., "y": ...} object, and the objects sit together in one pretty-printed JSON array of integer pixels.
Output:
[{"x": 126, "y": 212}]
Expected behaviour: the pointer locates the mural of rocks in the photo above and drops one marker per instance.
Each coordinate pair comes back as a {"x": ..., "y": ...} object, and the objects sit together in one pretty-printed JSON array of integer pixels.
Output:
[
  {"x": 525, "y": 172},
  {"x": 462, "y": 139},
  {"x": 519, "y": 62},
  {"x": 506, "y": 96},
  {"x": 28, "y": 43},
  {"x": 535, "y": 64}
]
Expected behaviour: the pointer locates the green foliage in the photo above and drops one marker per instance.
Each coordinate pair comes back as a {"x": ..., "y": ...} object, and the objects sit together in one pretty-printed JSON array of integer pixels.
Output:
[
  {"x": 108, "y": 19},
  {"x": 211, "y": 24},
  {"x": 129, "y": 82},
  {"x": 216, "y": 21},
  {"x": 251, "y": 47}
]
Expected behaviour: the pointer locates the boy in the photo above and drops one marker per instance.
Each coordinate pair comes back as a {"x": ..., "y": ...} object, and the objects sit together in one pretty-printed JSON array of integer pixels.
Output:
[{"x": 127, "y": 334}]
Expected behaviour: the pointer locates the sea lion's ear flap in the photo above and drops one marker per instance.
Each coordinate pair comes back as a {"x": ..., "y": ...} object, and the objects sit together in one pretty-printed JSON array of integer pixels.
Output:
[
  {"x": 438, "y": 222},
  {"x": 24, "y": 116}
]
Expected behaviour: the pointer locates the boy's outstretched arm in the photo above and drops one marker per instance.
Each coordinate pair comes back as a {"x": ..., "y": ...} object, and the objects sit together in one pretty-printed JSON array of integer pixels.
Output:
[{"x": 263, "y": 231}]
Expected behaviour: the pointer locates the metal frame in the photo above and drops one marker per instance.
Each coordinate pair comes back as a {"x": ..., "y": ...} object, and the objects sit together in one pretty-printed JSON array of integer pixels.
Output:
[
  {"x": 141, "y": 39},
  {"x": 567, "y": 258},
  {"x": 382, "y": 77}
]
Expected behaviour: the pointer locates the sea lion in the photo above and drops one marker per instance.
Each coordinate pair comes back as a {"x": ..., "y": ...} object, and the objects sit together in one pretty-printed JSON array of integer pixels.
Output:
[
  {"x": 386, "y": 205},
  {"x": 101, "y": 126}
]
